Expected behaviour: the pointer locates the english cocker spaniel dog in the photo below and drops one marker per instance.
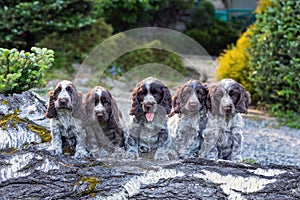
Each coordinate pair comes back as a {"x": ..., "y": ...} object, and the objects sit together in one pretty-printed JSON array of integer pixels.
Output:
[
  {"x": 151, "y": 102},
  {"x": 224, "y": 130},
  {"x": 105, "y": 129},
  {"x": 64, "y": 110},
  {"x": 188, "y": 119}
]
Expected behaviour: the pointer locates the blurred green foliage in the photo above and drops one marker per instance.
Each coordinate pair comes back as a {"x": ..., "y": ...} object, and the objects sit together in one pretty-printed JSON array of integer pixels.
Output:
[
  {"x": 213, "y": 34},
  {"x": 24, "y": 23},
  {"x": 125, "y": 14},
  {"x": 73, "y": 47},
  {"x": 147, "y": 53},
  {"x": 21, "y": 71},
  {"x": 128, "y": 14},
  {"x": 274, "y": 59}
]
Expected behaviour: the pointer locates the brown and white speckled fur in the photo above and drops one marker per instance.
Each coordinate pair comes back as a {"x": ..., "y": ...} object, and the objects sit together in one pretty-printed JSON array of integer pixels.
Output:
[
  {"x": 64, "y": 110},
  {"x": 151, "y": 137},
  {"x": 105, "y": 129},
  {"x": 189, "y": 119},
  {"x": 224, "y": 130}
]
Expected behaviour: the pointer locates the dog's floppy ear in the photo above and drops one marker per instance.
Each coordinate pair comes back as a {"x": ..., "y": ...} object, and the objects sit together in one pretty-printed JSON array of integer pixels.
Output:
[
  {"x": 87, "y": 107},
  {"x": 51, "y": 110},
  {"x": 244, "y": 101},
  {"x": 206, "y": 92},
  {"x": 115, "y": 112},
  {"x": 211, "y": 102},
  {"x": 136, "y": 106},
  {"x": 167, "y": 100},
  {"x": 176, "y": 103},
  {"x": 209, "y": 98},
  {"x": 77, "y": 104}
]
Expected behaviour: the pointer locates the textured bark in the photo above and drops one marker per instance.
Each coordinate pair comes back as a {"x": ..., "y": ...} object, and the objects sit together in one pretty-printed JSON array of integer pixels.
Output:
[
  {"x": 22, "y": 120},
  {"x": 35, "y": 174},
  {"x": 32, "y": 173}
]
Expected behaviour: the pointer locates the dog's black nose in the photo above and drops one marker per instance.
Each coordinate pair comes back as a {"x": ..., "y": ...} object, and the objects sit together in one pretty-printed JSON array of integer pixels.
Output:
[
  {"x": 228, "y": 108},
  {"x": 99, "y": 114},
  {"x": 143, "y": 149},
  {"x": 193, "y": 104},
  {"x": 149, "y": 105},
  {"x": 63, "y": 101}
]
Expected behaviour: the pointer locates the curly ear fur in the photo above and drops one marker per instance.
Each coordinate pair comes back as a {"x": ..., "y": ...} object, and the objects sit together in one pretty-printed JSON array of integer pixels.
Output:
[
  {"x": 206, "y": 90},
  {"x": 176, "y": 101},
  {"x": 211, "y": 105},
  {"x": 51, "y": 110},
  {"x": 115, "y": 122},
  {"x": 136, "y": 106},
  {"x": 167, "y": 100},
  {"x": 244, "y": 101},
  {"x": 115, "y": 112},
  {"x": 77, "y": 104},
  {"x": 209, "y": 97}
]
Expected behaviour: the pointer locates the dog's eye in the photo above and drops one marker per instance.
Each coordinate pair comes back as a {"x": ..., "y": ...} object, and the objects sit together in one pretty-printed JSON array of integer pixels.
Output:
[
  {"x": 57, "y": 91},
  {"x": 69, "y": 90},
  {"x": 155, "y": 92},
  {"x": 198, "y": 91},
  {"x": 141, "y": 95},
  {"x": 105, "y": 101},
  {"x": 231, "y": 93},
  {"x": 96, "y": 101}
]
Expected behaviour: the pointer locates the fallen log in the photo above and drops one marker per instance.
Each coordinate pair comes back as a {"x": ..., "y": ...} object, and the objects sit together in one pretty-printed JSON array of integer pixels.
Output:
[{"x": 35, "y": 174}]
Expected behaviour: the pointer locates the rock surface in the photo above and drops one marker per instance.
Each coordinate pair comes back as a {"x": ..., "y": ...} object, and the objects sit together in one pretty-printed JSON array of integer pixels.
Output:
[
  {"x": 22, "y": 120},
  {"x": 35, "y": 174}
]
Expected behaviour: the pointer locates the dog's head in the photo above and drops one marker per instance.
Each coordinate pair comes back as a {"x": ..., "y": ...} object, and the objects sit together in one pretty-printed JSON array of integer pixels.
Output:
[
  {"x": 228, "y": 97},
  {"x": 100, "y": 106},
  {"x": 190, "y": 98},
  {"x": 64, "y": 96},
  {"x": 149, "y": 96}
]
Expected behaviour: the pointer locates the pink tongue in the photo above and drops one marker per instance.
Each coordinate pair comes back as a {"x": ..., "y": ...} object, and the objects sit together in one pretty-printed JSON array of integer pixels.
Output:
[{"x": 150, "y": 117}]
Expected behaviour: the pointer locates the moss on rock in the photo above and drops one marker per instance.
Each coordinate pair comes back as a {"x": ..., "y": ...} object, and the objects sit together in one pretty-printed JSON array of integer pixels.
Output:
[
  {"x": 4, "y": 102},
  {"x": 40, "y": 131},
  {"x": 92, "y": 181},
  {"x": 12, "y": 119}
]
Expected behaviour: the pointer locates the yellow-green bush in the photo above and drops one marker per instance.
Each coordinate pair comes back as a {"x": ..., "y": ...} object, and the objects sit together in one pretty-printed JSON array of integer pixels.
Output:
[{"x": 234, "y": 62}]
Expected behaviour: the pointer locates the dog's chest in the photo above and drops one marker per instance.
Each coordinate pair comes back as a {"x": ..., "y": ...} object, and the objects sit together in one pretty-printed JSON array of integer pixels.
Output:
[{"x": 68, "y": 125}]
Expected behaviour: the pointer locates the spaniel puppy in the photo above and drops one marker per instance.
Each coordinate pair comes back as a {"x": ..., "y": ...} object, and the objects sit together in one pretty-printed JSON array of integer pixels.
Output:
[
  {"x": 151, "y": 103},
  {"x": 224, "y": 129},
  {"x": 64, "y": 110},
  {"x": 190, "y": 118},
  {"x": 104, "y": 124}
]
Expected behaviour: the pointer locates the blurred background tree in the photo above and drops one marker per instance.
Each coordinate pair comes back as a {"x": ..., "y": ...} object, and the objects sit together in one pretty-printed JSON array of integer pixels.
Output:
[
  {"x": 23, "y": 23},
  {"x": 73, "y": 28}
]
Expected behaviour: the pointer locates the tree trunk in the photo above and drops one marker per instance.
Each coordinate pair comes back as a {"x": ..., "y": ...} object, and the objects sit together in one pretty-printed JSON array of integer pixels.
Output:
[{"x": 35, "y": 174}]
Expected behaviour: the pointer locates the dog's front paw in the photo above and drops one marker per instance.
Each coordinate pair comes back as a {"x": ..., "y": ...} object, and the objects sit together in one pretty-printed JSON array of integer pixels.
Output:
[
  {"x": 55, "y": 151},
  {"x": 237, "y": 158},
  {"x": 161, "y": 155},
  {"x": 119, "y": 153},
  {"x": 131, "y": 154},
  {"x": 82, "y": 155}
]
